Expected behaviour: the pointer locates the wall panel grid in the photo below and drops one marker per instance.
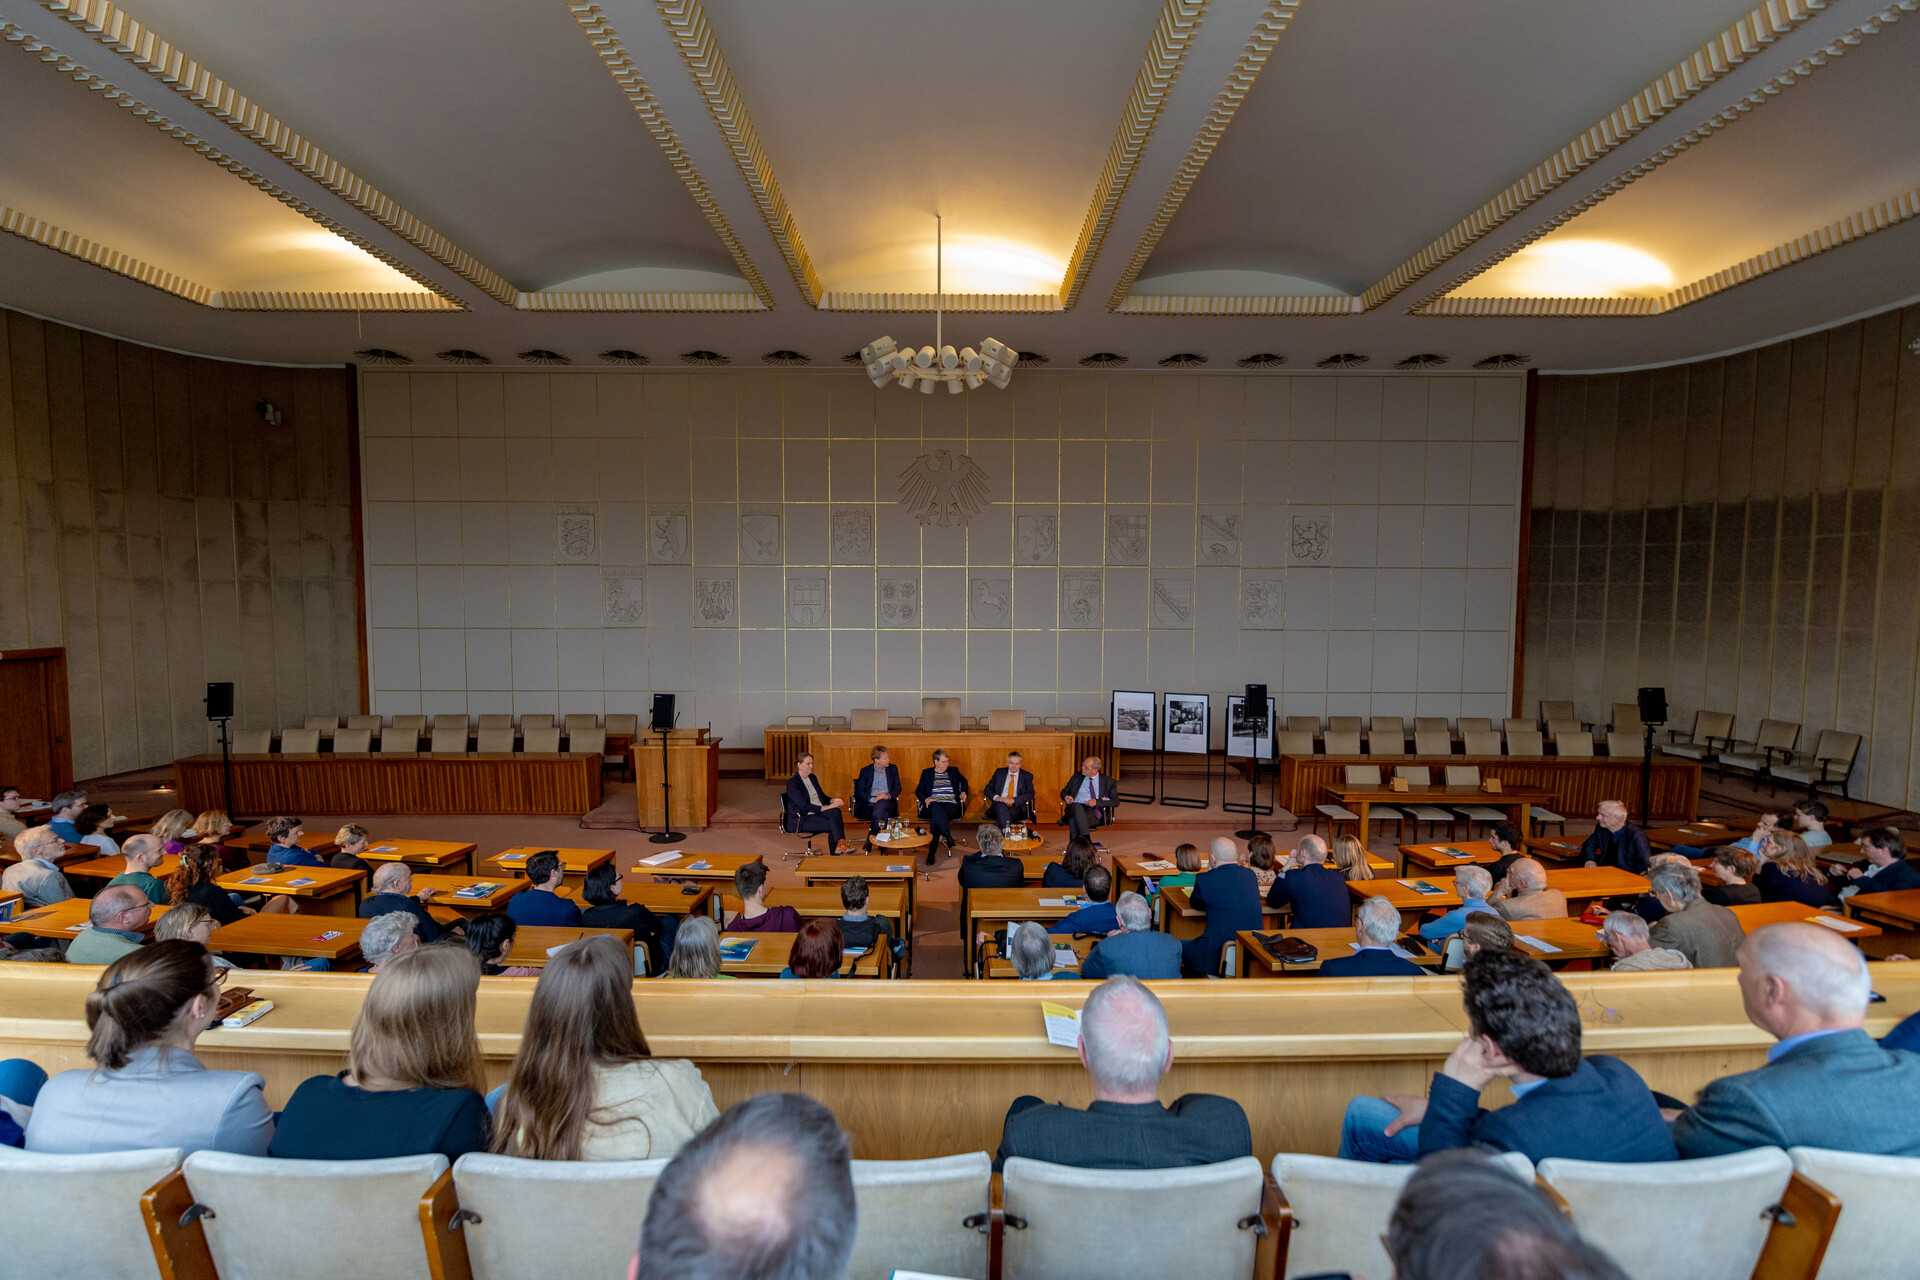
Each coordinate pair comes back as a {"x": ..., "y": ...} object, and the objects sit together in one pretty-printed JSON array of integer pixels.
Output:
[
  {"x": 1745, "y": 532},
  {"x": 766, "y": 543},
  {"x": 154, "y": 525}
]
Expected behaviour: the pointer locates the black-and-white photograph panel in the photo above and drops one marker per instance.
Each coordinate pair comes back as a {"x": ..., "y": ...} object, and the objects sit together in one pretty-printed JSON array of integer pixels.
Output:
[
  {"x": 1186, "y": 721},
  {"x": 1248, "y": 736},
  {"x": 1132, "y": 720}
]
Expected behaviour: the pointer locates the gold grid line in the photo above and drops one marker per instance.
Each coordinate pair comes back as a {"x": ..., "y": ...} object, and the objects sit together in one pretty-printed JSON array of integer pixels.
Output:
[
  {"x": 569, "y": 300},
  {"x": 15, "y": 222},
  {"x": 1026, "y": 303}
]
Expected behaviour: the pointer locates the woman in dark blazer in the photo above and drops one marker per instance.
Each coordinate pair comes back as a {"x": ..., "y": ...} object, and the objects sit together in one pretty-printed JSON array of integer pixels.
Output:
[
  {"x": 942, "y": 794},
  {"x": 810, "y": 809}
]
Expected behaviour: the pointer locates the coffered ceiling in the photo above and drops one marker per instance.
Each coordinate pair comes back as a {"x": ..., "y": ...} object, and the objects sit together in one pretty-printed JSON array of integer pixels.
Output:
[{"x": 1582, "y": 187}]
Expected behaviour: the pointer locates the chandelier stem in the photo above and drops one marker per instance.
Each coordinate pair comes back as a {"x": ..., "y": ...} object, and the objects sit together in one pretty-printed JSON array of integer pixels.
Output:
[{"x": 939, "y": 279}]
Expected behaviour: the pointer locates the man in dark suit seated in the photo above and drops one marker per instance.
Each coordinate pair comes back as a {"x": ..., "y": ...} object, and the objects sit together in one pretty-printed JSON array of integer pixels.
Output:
[
  {"x": 1376, "y": 927},
  {"x": 1138, "y": 950},
  {"x": 988, "y": 867},
  {"x": 876, "y": 792},
  {"x": 393, "y": 891},
  {"x": 1887, "y": 868},
  {"x": 1125, "y": 1047},
  {"x": 1010, "y": 793},
  {"x": 1318, "y": 892},
  {"x": 542, "y": 905},
  {"x": 1523, "y": 1025},
  {"x": 1098, "y": 918},
  {"x": 1615, "y": 842},
  {"x": 1230, "y": 895},
  {"x": 1826, "y": 1083},
  {"x": 1089, "y": 799}
]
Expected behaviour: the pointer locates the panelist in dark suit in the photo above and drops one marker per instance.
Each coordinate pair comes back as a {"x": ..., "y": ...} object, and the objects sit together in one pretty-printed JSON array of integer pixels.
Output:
[
  {"x": 1318, "y": 892},
  {"x": 1089, "y": 799},
  {"x": 1523, "y": 1025},
  {"x": 1010, "y": 793},
  {"x": 942, "y": 793},
  {"x": 1826, "y": 1083},
  {"x": 876, "y": 792},
  {"x": 1230, "y": 895},
  {"x": 988, "y": 868},
  {"x": 1615, "y": 842},
  {"x": 810, "y": 809},
  {"x": 1376, "y": 927},
  {"x": 1125, "y": 1048}
]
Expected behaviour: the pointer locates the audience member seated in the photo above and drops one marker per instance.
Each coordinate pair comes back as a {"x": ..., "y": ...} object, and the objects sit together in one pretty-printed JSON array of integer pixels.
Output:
[
  {"x": 750, "y": 882},
  {"x": 1648, "y": 907},
  {"x": 1098, "y": 919},
  {"x": 353, "y": 841},
  {"x": 1764, "y": 826},
  {"x": 1376, "y": 928},
  {"x": 190, "y": 922},
  {"x": 607, "y": 910},
  {"x": 20, "y": 1083},
  {"x": 876, "y": 792},
  {"x": 1087, "y": 800},
  {"x": 696, "y": 950},
  {"x": 1030, "y": 950},
  {"x": 386, "y": 936},
  {"x": 1350, "y": 859},
  {"x": 1262, "y": 861},
  {"x": 584, "y": 1085},
  {"x": 1463, "y": 1217},
  {"x": 763, "y": 1193},
  {"x": 66, "y": 807},
  {"x": 987, "y": 867},
  {"x": 1888, "y": 870},
  {"x": 816, "y": 952},
  {"x": 1317, "y": 892},
  {"x": 393, "y": 891},
  {"x": 284, "y": 835},
  {"x": 1522, "y": 1024},
  {"x": 1471, "y": 884},
  {"x": 810, "y": 810},
  {"x": 1483, "y": 932},
  {"x": 92, "y": 824},
  {"x": 1138, "y": 950},
  {"x": 414, "y": 1078},
  {"x": 1810, "y": 823},
  {"x": 1071, "y": 871},
  {"x": 1789, "y": 873},
  {"x": 176, "y": 831},
  {"x": 1188, "y": 860},
  {"x": 857, "y": 928},
  {"x": 11, "y": 802},
  {"x": 193, "y": 881},
  {"x": 213, "y": 827},
  {"x": 37, "y": 877},
  {"x": 1826, "y": 1083},
  {"x": 143, "y": 855},
  {"x": 1615, "y": 842},
  {"x": 1904, "y": 1036},
  {"x": 1509, "y": 844},
  {"x": 942, "y": 793},
  {"x": 1230, "y": 896},
  {"x": 542, "y": 906},
  {"x": 1625, "y": 934},
  {"x": 1735, "y": 868},
  {"x": 1125, "y": 1048},
  {"x": 118, "y": 914},
  {"x": 490, "y": 941},
  {"x": 1524, "y": 895},
  {"x": 146, "y": 1088},
  {"x": 1708, "y": 936}
]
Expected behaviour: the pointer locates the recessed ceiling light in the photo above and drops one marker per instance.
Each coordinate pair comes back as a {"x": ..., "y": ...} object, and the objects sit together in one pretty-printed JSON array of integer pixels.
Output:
[
  {"x": 784, "y": 356},
  {"x": 1556, "y": 268},
  {"x": 1184, "y": 359},
  {"x": 1102, "y": 360},
  {"x": 540, "y": 355},
  {"x": 1425, "y": 360},
  {"x": 704, "y": 357},
  {"x": 380, "y": 355},
  {"x": 460, "y": 355},
  {"x": 1265, "y": 360},
  {"x": 620, "y": 355},
  {"x": 1505, "y": 360},
  {"x": 1345, "y": 360}
]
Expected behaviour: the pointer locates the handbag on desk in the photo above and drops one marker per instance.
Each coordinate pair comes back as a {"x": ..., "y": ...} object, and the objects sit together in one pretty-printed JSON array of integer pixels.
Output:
[{"x": 1288, "y": 950}]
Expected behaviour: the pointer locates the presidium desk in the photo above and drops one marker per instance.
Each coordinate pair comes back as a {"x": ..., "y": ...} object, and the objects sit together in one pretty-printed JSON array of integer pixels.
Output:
[{"x": 920, "y": 1068}]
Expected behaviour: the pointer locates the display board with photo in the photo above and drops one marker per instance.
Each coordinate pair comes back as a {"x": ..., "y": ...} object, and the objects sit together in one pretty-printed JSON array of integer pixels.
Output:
[
  {"x": 1248, "y": 737},
  {"x": 1132, "y": 720},
  {"x": 1186, "y": 723}
]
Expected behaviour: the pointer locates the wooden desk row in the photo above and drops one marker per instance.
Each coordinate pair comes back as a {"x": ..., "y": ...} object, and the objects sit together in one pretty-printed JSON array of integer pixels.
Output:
[{"x": 1577, "y": 783}]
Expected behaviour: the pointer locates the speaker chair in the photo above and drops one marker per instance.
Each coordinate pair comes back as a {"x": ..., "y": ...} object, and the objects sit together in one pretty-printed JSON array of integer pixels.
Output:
[{"x": 790, "y": 826}]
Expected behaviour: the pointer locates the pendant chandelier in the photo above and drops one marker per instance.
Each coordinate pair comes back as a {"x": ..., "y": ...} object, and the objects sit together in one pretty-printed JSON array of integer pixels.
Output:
[{"x": 930, "y": 367}]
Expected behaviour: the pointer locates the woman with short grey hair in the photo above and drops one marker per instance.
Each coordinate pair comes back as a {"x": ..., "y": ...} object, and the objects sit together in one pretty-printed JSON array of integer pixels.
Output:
[{"x": 1031, "y": 952}]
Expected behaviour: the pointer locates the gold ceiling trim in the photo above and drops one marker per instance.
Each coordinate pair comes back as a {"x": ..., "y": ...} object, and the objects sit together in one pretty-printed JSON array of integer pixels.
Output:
[
  {"x": 1020, "y": 303},
  {"x": 435, "y": 299},
  {"x": 629, "y": 300},
  {"x": 606, "y": 42},
  {"x": 1173, "y": 35},
  {"x": 687, "y": 22},
  {"x": 1253, "y": 57},
  {"x": 1220, "y": 304}
]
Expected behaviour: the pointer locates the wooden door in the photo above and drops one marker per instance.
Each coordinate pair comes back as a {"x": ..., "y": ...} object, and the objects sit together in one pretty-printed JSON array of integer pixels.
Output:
[{"x": 34, "y": 752}]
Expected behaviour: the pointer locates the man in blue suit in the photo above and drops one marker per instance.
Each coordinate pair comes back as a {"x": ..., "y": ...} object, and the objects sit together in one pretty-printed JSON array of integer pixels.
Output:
[
  {"x": 1826, "y": 1083},
  {"x": 542, "y": 906},
  {"x": 1376, "y": 926},
  {"x": 1230, "y": 895},
  {"x": 1524, "y": 1025},
  {"x": 1098, "y": 918},
  {"x": 1318, "y": 892},
  {"x": 1138, "y": 951},
  {"x": 876, "y": 792}
]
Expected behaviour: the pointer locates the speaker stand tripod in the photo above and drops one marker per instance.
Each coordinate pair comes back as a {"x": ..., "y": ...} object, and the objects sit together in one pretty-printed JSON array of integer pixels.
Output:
[{"x": 666, "y": 834}]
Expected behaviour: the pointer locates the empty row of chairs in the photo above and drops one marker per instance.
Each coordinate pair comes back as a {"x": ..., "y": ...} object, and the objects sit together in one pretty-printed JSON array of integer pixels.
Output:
[
  {"x": 856, "y": 721},
  {"x": 327, "y": 726},
  {"x": 1516, "y": 738},
  {"x": 1420, "y": 775},
  {"x": 1771, "y": 753},
  {"x": 359, "y": 741},
  {"x": 145, "y": 1213}
]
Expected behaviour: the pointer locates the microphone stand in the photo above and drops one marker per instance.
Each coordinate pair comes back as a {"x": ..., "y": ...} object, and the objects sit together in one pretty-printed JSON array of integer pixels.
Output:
[{"x": 666, "y": 834}]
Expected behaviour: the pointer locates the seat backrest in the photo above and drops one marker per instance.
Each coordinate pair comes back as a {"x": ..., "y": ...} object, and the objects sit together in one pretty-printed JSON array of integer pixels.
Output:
[
  {"x": 370, "y": 723},
  {"x": 1291, "y": 742},
  {"x": 1342, "y": 742},
  {"x": 545, "y": 740},
  {"x": 906, "y": 722},
  {"x": 1835, "y": 745},
  {"x": 494, "y": 721},
  {"x": 1483, "y": 744},
  {"x": 545, "y": 721},
  {"x": 352, "y": 741},
  {"x": 940, "y": 715},
  {"x": 913, "y": 1216},
  {"x": 1475, "y": 724},
  {"x": 495, "y": 740},
  {"x": 1363, "y": 775},
  {"x": 446, "y": 738},
  {"x": 1057, "y": 722},
  {"x": 1418, "y": 775},
  {"x": 1676, "y": 1220},
  {"x": 1431, "y": 724},
  {"x": 868, "y": 719},
  {"x": 1526, "y": 742},
  {"x": 1557, "y": 727},
  {"x": 1779, "y": 734},
  {"x": 1626, "y": 745},
  {"x": 355, "y": 1217},
  {"x": 1071, "y": 1216},
  {"x": 799, "y": 722},
  {"x": 326, "y": 724},
  {"x": 1346, "y": 724},
  {"x": 399, "y": 738},
  {"x": 1878, "y": 1234},
  {"x": 449, "y": 722},
  {"x": 1341, "y": 1207},
  {"x": 416, "y": 723},
  {"x": 552, "y": 1217},
  {"x": 80, "y": 1215},
  {"x": 1463, "y": 775},
  {"x": 252, "y": 742},
  {"x": 1429, "y": 742},
  {"x": 1557, "y": 710},
  {"x": 1626, "y": 717},
  {"x": 1309, "y": 725},
  {"x": 1512, "y": 726},
  {"x": 581, "y": 720},
  {"x": 1574, "y": 744},
  {"x": 1089, "y": 722},
  {"x": 299, "y": 741},
  {"x": 1388, "y": 727},
  {"x": 1386, "y": 744},
  {"x": 833, "y": 722},
  {"x": 1712, "y": 724},
  {"x": 626, "y": 725},
  {"x": 1005, "y": 720},
  {"x": 588, "y": 741}
]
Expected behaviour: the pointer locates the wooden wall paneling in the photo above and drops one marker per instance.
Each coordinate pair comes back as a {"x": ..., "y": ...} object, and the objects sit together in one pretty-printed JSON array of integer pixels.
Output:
[
  {"x": 324, "y": 784},
  {"x": 1840, "y": 408}
]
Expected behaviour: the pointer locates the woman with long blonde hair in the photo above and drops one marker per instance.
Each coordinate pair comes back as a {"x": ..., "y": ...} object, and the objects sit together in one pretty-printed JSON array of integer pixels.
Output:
[
  {"x": 413, "y": 1080},
  {"x": 1350, "y": 858},
  {"x": 175, "y": 830},
  {"x": 584, "y": 1085},
  {"x": 213, "y": 827},
  {"x": 1788, "y": 872}
]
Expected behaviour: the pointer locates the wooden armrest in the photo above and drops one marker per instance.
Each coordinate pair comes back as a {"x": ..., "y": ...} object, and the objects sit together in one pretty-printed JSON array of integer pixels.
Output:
[
  {"x": 179, "y": 1241},
  {"x": 1270, "y": 1256},
  {"x": 1803, "y": 1224},
  {"x": 996, "y": 1224},
  {"x": 441, "y": 1220}
]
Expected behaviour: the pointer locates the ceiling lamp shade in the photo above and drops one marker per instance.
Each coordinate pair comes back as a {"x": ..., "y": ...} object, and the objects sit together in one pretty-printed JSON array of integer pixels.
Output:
[{"x": 932, "y": 367}]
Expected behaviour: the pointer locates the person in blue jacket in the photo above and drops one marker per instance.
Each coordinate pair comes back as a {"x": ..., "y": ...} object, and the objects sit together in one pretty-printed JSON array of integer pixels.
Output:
[
  {"x": 1317, "y": 892},
  {"x": 1230, "y": 895},
  {"x": 542, "y": 905}
]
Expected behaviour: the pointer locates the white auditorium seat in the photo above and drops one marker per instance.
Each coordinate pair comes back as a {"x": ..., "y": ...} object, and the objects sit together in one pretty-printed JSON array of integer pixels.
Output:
[
  {"x": 551, "y": 1219},
  {"x": 1340, "y": 1209},
  {"x": 913, "y": 1217},
  {"x": 1675, "y": 1219},
  {"x": 1081, "y": 1224},
  {"x": 79, "y": 1215}
]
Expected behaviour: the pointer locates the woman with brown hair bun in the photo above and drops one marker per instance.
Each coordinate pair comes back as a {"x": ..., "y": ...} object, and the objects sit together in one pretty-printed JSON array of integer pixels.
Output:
[
  {"x": 584, "y": 1085},
  {"x": 413, "y": 1080},
  {"x": 147, "y": 1089}
]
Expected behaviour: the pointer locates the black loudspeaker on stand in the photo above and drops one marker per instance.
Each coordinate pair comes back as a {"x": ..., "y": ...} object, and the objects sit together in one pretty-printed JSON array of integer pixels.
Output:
[
  {"x": 1256, "y": 706},
  {"x": 1653, "y": 711},
  {"x": 662, "y": 724},
  {"x": 220, "y": 711}
]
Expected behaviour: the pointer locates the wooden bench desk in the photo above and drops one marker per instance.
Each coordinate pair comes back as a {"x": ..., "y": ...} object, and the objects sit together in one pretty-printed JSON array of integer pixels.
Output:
[
  {"x": 1580, "y": 884},
  {"x": 273, "y": 934},
  {"x": 323, "y": 891},
  {"x": 574, "y": 863},
  {"x": 770, "y": 952},
  {"x": 822, "y": 902},
  {"x": 1755, "y": 914},
  {"x": 1431, "y": 857},
  {"x": 1516, "y": 800},
  {"x": 661, "y": 899},
  {"x": 874, "y": 868},
  {"x": 532, "y": 942},
  {"x": 1558, "y": 849},
  {"x": 441, "y": 856},
  {"x": 63, "y": 919},
  {"x": 105, "y": 869},
  {"x": 1256, "y": 961},
  {"x": 1576, "y": 940},
  {"x": 708, "y": 867},
  {"x": 396, "y": 782},
  {"x": 68, "y": 854},
  {"x": 318, "y": 843},
  {"x": 999, "y": 967},
  {"x": 1183, "y": 920},
  {"x": 1899, "y": 909},
  {"x": 1696, "y": 835},
  {"x": 447, "y": 909},
  {"x": 987, "y": 907}
]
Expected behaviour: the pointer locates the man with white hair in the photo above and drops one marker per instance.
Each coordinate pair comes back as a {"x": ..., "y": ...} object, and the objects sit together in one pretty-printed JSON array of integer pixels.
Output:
[
  {"x": 1125, "y": 1047},
  {"x": 393, "y": 891},
  {"x": 1615, "y": 842},
  {"x": 36, "y": 877},
  {"x": 1230, "y": 895},
  {"x": 1472, "y": 884},
  {"x": 1524, "y": 895},
  {"x": 1626, "y": 936},
  {"x": 1376, "y": 926},
  {"x": 387, "y": 936},
  {"x": 1138, "y": 950},
  {"x": 1826, "y": 1083},
  {"x": 1709, "y": 936},
  {"x": 1317, "y": 893}
]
